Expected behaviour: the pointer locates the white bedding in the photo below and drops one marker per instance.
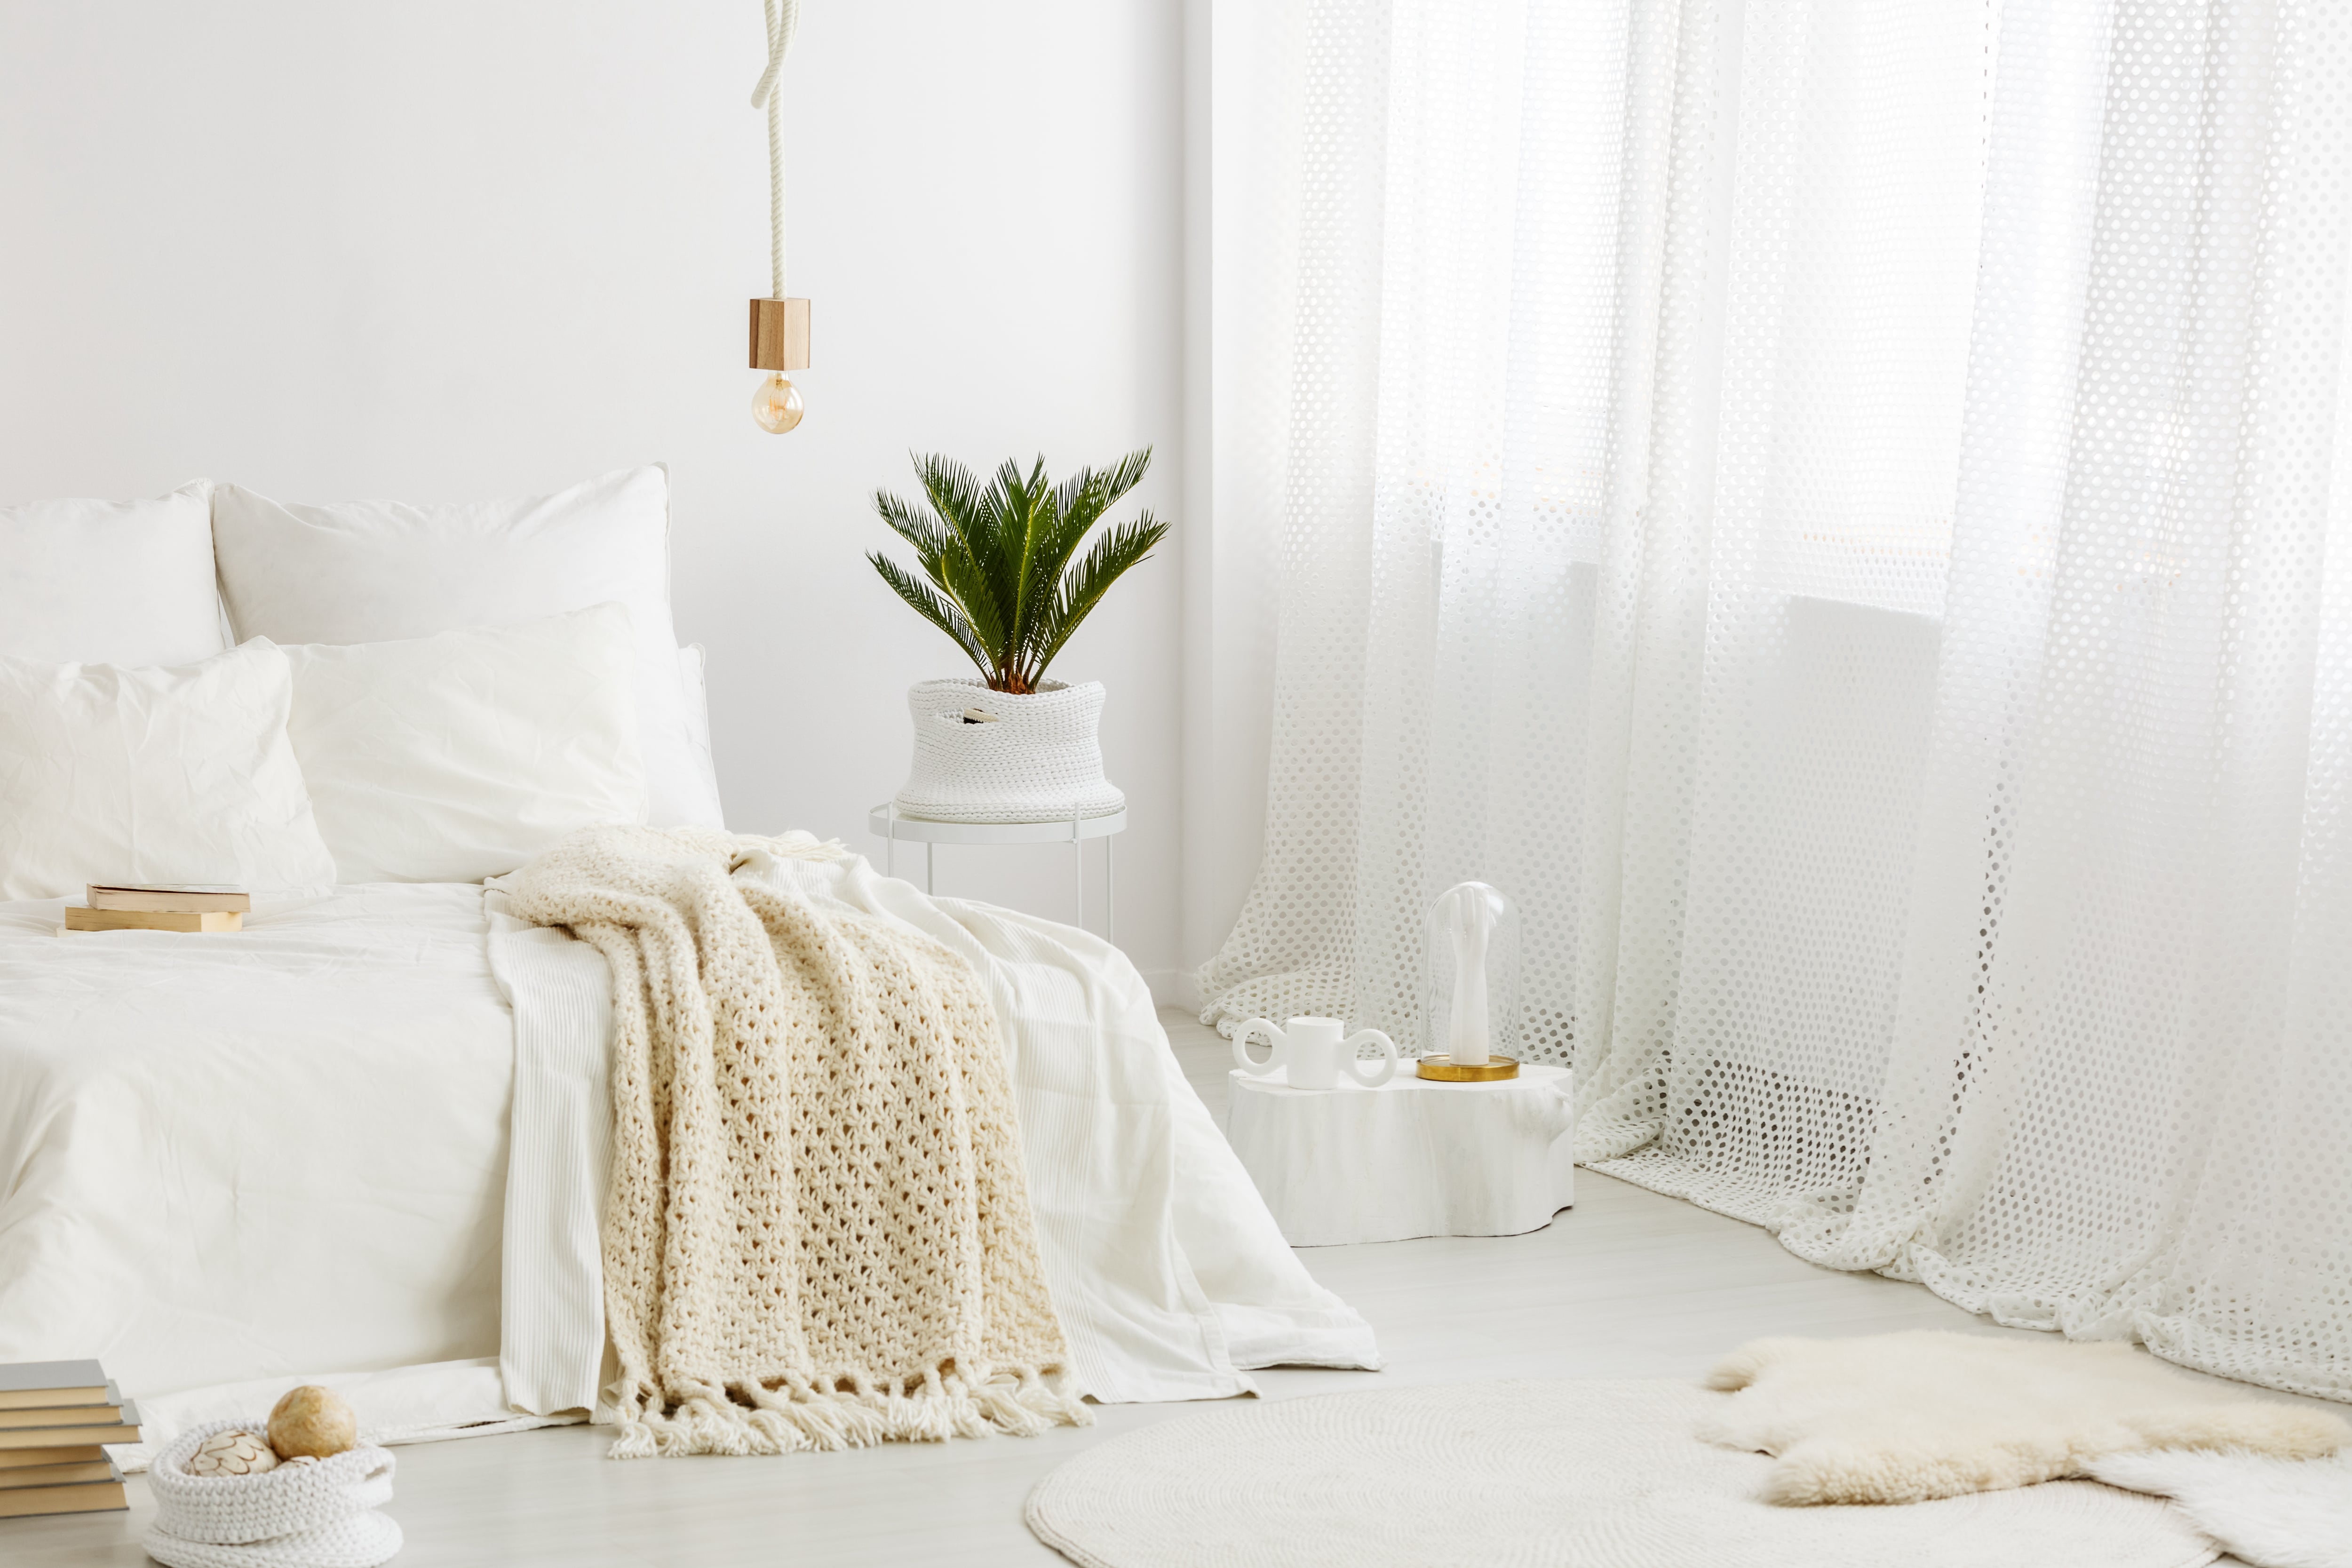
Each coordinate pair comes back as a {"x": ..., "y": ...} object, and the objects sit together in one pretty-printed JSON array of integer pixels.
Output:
[
  {"x": 284, "y": 1155},
  {"x": 224, "y": 1158}
]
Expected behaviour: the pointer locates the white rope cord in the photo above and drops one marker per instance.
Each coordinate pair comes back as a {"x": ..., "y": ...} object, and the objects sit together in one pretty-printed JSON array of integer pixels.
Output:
[{"x": 783, "y": 16}]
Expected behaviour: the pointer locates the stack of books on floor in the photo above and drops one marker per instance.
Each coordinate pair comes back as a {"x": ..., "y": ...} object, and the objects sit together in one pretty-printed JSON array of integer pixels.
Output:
[
  {"x": 152, "y": 906},
  {"x": 53, "y": 1416}
]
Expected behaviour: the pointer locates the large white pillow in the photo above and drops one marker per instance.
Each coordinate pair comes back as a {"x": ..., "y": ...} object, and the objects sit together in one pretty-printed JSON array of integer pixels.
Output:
[
  {"x": 153, "y": 774},
  {"x": 360, "y": 571},
  {"x": 110, "y": 582},
  {"x": 457, "y": 757}
]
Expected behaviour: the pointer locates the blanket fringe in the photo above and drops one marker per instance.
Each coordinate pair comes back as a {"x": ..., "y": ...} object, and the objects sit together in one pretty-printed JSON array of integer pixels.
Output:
[{"x": 1016, "y": 1402}]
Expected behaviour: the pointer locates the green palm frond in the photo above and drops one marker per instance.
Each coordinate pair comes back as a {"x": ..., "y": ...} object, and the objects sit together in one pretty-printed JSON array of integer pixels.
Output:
[
  {"x": 955, "y": 544},
  {"x": 995, "y": 557},
  {"x": 933, "y": 608},
  {"x": 1034, "y": 572},
  {"x": 1128, "y": 544},
  {"x": 973, "y": 513},
  {"x": 1088, "y": 493},
  {"x": 930, "y": 536},
  {"x": 948, "y": 486}
]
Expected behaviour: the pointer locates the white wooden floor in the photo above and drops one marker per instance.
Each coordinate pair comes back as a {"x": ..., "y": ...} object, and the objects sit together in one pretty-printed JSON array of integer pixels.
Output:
[{"x": 1628, "y": 1284}]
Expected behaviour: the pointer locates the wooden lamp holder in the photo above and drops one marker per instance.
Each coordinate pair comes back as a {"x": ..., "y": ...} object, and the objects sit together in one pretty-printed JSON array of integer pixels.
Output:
[{"x": 780, "y": 334}]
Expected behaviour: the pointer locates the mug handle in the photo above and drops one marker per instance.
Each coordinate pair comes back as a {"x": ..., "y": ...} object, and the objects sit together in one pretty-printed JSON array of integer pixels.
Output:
[
  {"x": 1277, "y": 1047},
  {"x": 1355, "y": 1068}
]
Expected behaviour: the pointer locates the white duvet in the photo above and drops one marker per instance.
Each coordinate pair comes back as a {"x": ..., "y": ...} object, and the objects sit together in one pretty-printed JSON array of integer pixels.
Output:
[{"x": 228, "y": 1163}]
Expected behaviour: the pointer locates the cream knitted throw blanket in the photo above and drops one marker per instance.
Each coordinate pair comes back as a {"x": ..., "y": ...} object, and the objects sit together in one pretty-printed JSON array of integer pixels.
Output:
[{"x": 817, "y": 1233}]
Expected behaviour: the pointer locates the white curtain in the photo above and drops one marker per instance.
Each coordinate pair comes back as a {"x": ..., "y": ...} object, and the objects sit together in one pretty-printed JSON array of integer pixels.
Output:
[{"x": 1841, "y": 509}]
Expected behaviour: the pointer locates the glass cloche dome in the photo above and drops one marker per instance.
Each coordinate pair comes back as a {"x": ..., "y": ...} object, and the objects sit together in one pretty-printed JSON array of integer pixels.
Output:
[{"x": 1470, "y": 969}]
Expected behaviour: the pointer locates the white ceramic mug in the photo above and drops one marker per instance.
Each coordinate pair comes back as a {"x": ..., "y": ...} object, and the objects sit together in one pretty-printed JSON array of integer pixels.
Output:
[{"x": 1314, "y": 1051}]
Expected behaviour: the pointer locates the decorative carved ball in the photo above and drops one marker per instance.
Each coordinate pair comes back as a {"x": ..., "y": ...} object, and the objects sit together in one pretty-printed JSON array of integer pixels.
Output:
[
  {"x": 313, "y": 1421},
  {"x": 232, "y": 1454}
]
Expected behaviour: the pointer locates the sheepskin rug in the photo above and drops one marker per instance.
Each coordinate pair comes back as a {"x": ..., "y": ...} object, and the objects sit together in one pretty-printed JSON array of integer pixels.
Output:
[
  {"x": 2273, "y": 1513},
  {"x": 1906, "y": 1418},
  {"x": 1535, "y": 1474}
]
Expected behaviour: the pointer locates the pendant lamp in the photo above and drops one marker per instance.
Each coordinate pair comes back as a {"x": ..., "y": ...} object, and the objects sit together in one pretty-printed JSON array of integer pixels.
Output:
[{"x": 780, "y": 326}]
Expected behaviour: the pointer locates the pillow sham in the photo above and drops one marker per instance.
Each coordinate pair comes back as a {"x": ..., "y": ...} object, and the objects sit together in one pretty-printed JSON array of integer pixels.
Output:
[
  {"x": 363, "y": 572},
  {"x": 457, "y": 757},
  {"x": 157, "y": 774},
  {"x": 110, "y": 582}
]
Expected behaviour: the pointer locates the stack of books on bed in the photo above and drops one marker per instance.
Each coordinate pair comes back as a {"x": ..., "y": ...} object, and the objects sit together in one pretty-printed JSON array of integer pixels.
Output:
[
  {"x": 54, "y": 1414},
  {"x": 134, "y": 905}
]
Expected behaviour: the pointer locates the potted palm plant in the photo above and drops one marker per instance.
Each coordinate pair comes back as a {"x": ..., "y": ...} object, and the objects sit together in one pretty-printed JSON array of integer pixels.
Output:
[{"x": 995, "y": 572}]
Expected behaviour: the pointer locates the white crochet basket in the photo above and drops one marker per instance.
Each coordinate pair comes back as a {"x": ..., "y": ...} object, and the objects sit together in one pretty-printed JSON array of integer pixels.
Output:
[
  {"x": 296, "y": 1516},
  {"x": 1039, "y": 761}
]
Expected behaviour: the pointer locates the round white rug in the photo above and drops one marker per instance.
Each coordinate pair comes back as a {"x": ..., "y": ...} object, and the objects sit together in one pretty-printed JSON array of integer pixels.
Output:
[{"x": 1534, "y": 1475}]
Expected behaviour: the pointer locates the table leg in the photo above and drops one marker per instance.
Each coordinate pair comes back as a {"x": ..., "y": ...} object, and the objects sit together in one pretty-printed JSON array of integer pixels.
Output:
[
  {"x": 928, "y": 847},
  {"x": 1111, "y": 887},
  {"x": 891, "y": 839}
]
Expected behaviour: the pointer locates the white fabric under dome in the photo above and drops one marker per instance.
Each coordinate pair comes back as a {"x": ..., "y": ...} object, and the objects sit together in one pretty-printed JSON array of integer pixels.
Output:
[{"x": 1845, "y": 522}]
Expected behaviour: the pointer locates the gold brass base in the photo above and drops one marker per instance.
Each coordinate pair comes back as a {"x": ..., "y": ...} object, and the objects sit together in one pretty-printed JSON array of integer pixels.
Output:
[{"x": 1493, "y": 1070}]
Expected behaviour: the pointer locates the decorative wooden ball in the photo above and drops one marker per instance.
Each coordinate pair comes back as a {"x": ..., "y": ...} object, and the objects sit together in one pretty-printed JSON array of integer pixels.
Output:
[
  {"x": 312, "y": 1421},
  {"x": 232, "y": 1454}
]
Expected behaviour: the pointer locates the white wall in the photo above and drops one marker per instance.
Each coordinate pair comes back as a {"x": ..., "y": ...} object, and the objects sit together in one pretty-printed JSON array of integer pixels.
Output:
[
  {"x": 1239, "y": 188},
  {"x": 442, "y": 250}
]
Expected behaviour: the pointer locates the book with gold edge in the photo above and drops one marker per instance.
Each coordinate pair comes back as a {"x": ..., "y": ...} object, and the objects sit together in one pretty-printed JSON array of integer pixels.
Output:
[
  {"x": 13, "y": 1460},
  {"x": 123, "y": 1431},
  {"x": 169, "y": 898},
  {"x": 90, "y": 1497},
  {"x": 81, "y": 917},
  {"x": 99, "y": 1469},
  {"x": 54, "y": 1398},
  {"x": 59, "y": 1416},
  {"x": 49, "y": 1383}
]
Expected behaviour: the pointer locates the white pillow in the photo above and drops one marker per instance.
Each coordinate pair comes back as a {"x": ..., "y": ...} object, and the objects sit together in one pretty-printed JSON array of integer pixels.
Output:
[
  {"x": 360, "y": 572},
  {"x": 457, "y": 757},
  {"x": 158, "y": 774},
  {"x": 110, "y": 582}
]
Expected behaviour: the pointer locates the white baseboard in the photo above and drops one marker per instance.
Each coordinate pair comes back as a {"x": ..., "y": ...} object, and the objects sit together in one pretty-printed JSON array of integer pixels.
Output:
[{"x": 1174, "y": 988}]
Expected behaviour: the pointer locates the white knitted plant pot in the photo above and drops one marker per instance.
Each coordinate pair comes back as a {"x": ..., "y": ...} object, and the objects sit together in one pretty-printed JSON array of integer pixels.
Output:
[
  {"x": 1040, "y": 760},
  {"x": 296, "y": 1516}
]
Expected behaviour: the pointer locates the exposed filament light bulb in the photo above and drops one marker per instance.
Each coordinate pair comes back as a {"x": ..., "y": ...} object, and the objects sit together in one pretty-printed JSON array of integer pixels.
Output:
[{"x": 777, "y": 403}]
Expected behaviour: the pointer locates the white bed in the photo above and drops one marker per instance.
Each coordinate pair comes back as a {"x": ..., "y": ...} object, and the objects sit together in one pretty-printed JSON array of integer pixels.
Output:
[
  {"x": 223, "y": 1160},
  {"x": 363, "y": 1140},
  {"x": 319, "y": 1149}
]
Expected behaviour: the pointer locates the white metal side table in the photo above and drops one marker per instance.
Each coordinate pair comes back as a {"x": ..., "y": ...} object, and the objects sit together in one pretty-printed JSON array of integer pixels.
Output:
[{"x": 886, "y": 823}]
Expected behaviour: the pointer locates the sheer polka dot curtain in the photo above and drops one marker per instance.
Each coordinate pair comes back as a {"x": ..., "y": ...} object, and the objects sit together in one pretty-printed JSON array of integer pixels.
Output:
[{"x": 1844, "y": 511}]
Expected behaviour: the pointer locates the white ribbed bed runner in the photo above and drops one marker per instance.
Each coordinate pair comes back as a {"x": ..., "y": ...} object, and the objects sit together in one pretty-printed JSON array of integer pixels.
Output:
[
  {"x": 1168, "y": 1274},
  {"x": 552, "y": 1310}
]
